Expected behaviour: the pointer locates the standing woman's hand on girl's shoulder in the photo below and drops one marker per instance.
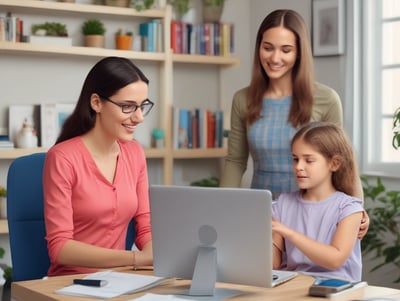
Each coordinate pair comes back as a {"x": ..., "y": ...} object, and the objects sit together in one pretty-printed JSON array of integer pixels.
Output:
[{"x": 364, "y": 225}]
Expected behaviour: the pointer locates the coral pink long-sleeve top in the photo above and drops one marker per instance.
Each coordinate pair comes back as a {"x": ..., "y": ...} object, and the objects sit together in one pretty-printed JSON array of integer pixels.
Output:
[{"x": 81, "y": 204}]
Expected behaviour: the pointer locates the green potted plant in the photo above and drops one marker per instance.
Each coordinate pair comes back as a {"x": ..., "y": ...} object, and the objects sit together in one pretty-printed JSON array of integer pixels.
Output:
[
  {"x": 53, "y": 29},
  {"x": 123, "y": 40},
  {"x": 383, "y": 237},
  {"x": 93, "y": 30},
  {"x": 50, "y": 33},
  {"x": 180, "y": 7},
  {"x": 212, "y": 10},
  {"x": 140, "y": 5}
]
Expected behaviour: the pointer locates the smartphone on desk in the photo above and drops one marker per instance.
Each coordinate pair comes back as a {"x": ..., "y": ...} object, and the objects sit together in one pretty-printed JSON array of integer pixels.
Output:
[{"x": 323, "y": 287}]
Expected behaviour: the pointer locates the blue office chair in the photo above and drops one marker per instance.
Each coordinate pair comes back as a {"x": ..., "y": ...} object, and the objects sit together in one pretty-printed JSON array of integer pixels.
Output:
[{"x": 29, "y": 256}]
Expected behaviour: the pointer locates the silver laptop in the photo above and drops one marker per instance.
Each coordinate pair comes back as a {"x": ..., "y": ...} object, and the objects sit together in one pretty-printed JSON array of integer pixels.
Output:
[{"x": 231, "y": 226}]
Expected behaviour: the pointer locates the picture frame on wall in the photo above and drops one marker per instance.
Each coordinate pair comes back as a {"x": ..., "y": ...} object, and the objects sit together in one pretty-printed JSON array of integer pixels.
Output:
[
  {"x": 52, "y": 117},
  {"x": 328, "y": 24}
]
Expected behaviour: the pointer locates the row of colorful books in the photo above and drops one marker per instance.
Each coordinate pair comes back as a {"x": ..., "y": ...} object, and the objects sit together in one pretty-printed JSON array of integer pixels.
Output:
[
  {"x": 197, "y": 128},
  {"x": 151, "y": 35},
  {"x": 11, "y": 28},
  {"x": 205, "y": 39}
]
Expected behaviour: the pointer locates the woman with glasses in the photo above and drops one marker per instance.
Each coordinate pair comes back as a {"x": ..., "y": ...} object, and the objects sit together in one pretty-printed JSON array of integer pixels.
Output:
[{"x": 95, "y": 176}]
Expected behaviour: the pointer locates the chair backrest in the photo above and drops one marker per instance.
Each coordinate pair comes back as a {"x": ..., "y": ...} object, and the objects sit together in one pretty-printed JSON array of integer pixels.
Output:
[{"x": 25, "y": 214}]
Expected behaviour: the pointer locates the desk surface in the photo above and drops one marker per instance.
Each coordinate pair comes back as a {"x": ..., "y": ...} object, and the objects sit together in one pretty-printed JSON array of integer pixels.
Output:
[{"x": 295, "y": 289}]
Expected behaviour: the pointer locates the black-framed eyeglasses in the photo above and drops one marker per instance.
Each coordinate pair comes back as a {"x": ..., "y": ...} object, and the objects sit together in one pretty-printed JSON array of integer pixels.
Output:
[{"x": 145, "y": 106}]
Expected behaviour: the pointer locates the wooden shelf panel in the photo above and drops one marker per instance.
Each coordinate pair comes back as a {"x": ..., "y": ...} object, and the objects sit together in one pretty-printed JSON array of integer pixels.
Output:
[
  {"x": 27, "y": 48},
  {"x": 3, "y": 226},
  {"x": 199, "y": 153},
  {"x": 14, "y": 153},
  {"x": 68, "y": 8},
  {"x": 205, "y": 59}
]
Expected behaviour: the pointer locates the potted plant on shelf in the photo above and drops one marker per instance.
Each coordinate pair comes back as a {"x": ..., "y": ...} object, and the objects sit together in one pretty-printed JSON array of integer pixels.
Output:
[
  {"x": 180, "y": 7},
  {"x": 50, "y": 33},
  {"x": 93, "y": 30},
  {"x": 212, "y": 10},
  {"x": 123, "y": 40},
  {"x": 140, "y": 5}
]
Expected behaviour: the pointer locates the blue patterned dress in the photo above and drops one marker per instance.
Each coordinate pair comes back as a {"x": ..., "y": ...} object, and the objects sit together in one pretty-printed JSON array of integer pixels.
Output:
[{"x": 269, "y": 144}]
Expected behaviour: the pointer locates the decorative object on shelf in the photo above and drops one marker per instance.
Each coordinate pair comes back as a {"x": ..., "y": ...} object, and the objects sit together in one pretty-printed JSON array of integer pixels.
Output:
[
  {"x": 180, "y": 7},
  {"x": 212, "y": 10},
  {"x": 27, "y": 136},
  {"x": 53, "y": 33},
  {"x": 120, "y": 3},
  {"x": 123, "y": 41},
  {"x": 157, "y": 136},
  {"x": 53, "y": 29},
  {"x": 93, "y": 30},
  {"x": 3, "y": 203},
  {"x": 140, "y": 5}
]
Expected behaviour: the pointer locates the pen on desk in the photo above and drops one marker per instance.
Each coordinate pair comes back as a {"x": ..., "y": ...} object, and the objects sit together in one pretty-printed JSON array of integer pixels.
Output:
[{"x": 90, "y": 282}]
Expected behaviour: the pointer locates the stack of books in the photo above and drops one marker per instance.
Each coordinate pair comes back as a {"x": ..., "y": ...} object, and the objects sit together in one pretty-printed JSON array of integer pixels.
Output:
[{"x": 5, "y": 142}]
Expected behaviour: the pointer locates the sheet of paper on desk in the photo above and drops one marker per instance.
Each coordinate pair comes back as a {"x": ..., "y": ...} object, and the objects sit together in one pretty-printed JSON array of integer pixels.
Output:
[{"x": 117, "y": 284}]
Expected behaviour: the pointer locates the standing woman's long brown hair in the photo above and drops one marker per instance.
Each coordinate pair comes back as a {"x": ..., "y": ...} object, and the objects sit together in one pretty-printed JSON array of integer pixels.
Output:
[{"x": 303, "y": 70}]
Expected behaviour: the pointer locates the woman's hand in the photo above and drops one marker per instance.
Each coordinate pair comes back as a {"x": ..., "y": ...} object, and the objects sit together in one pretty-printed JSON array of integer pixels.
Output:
[{"x": 364, "y": 225}]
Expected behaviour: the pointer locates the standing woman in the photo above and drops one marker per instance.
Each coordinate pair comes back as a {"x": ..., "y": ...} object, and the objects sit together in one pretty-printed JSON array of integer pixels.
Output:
[
  {"x": 281, "y": 97},
  {"x": 95, "y": 176}
]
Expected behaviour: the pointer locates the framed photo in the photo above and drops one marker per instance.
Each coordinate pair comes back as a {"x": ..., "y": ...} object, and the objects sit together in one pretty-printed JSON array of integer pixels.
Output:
[
  {"x": 328, "y": 23},
  {"x": 52, "y": 117}
]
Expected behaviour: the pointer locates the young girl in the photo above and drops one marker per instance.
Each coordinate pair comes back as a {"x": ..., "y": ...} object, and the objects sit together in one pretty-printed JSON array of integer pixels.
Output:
[{"x": 315, "y": 229}]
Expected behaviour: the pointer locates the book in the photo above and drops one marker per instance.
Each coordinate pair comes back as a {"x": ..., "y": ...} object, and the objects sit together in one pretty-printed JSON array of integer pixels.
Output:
[{"x": 118, "y": 284}]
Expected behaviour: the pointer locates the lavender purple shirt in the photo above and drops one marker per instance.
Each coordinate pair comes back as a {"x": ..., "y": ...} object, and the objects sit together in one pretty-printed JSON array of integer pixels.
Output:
[{"x": 317, "y": 220}]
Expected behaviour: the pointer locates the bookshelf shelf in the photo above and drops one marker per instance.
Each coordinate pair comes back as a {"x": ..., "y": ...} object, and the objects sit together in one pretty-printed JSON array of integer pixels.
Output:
[
  {"x": 45, "y": 50},
  {"x": 166, "y": 60},
  {"x": 199, "y": 153}
]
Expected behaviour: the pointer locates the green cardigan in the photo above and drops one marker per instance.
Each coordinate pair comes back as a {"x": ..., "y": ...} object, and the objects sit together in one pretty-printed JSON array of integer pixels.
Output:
[{"x": 326, "y": 107}]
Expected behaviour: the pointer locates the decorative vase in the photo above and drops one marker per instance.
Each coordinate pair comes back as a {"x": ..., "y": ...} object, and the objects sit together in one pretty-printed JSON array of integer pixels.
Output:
[
  {"x": 212, "y": 13},
  {"x": 123, "y": 42},
  {"x": 94, "y": 41},
  {"x": 26, "y": 137}
]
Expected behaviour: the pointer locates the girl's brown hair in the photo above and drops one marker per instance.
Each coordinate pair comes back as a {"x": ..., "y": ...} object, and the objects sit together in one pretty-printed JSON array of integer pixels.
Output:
[
  {"x": 302, "y": 75},
  {"x": 332, "y": 142}
]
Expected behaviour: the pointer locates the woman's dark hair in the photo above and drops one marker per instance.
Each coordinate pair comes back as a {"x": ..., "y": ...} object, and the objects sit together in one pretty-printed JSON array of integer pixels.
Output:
[
  {"x": 302, "y": 76},
  {"x": 105, "y": 78}
]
